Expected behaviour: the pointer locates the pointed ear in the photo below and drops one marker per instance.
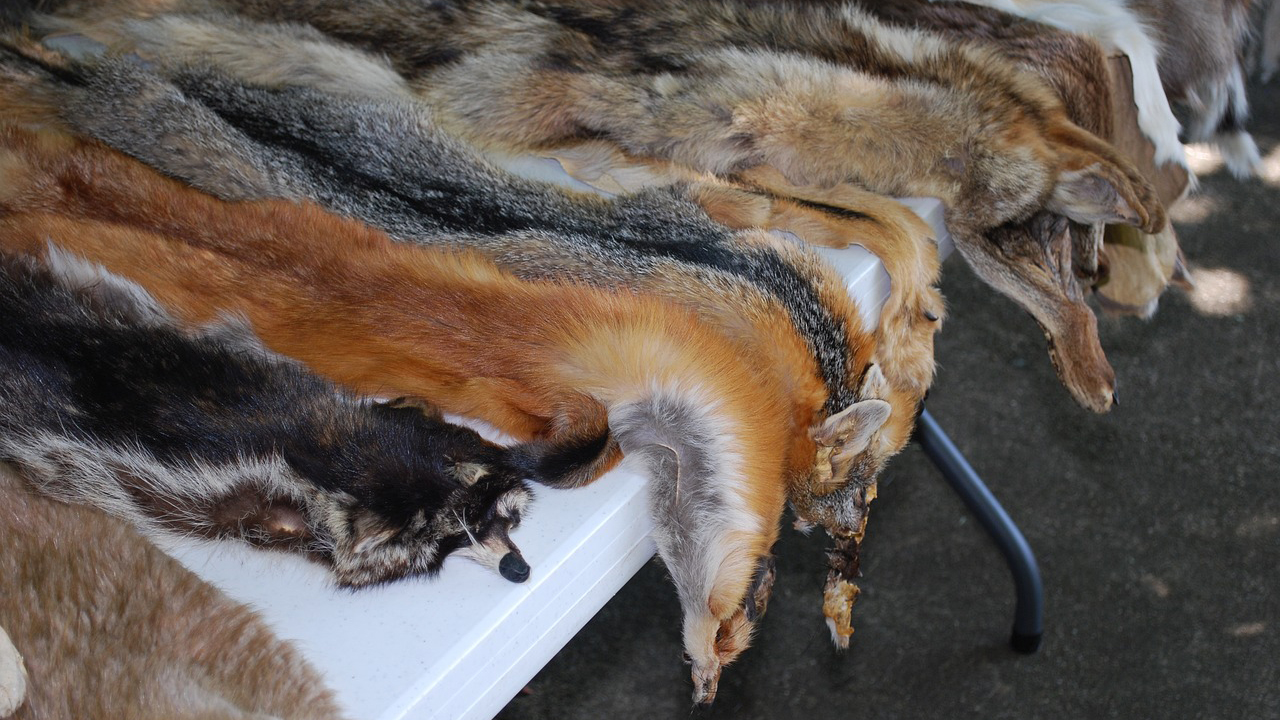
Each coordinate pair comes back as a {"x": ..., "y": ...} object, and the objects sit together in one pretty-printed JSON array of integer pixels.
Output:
[
  {"x": 1086, "y": 196},
  {"x": 369, "y": 532},
  {"x": 874, "y": 384},
  {"x": 851, "y": 429},
  {"x": 468, "y": 473}
]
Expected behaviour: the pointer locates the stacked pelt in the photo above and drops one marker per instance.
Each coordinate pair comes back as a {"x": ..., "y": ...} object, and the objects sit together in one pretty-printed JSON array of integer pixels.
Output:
[{"x": 226, "y": 224}]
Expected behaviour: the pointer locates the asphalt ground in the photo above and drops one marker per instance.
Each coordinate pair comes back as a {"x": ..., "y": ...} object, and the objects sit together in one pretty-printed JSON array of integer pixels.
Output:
[{"x": 1157, "y": 526}]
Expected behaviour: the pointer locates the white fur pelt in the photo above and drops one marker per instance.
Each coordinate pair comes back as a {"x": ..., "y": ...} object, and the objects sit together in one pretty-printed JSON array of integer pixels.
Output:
[
  {"x": 110, "y": 627},
  {"x": 1216, "y": 97}
]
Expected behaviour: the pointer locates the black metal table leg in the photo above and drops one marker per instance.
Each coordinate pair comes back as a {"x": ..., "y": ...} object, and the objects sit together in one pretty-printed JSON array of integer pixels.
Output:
[{"x": 1028, "y": 619}]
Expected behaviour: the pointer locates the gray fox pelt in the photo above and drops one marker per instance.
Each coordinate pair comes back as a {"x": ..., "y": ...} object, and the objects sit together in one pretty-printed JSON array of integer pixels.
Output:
[
  {"x": 107, "y": 402},
  {"x": 783, "y": 96},
  {"x": 108, "y": 626}
]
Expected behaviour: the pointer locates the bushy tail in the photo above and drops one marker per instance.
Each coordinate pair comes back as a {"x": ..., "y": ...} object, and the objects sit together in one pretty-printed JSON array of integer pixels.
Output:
[{"x": 571, "y": 458}]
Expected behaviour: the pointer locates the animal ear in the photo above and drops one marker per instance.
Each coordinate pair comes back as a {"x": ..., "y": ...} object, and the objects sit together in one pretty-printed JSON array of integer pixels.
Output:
[
  {"x": 369, "y": 532},
  {"x": 874, "y": 384},
  {"x": 1086, "y": 196},
  {"x": 468, "y": 473},
  {"x": 851, "y": 429}
]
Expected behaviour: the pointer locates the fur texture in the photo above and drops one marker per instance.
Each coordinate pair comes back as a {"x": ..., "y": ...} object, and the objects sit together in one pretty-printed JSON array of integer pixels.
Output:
[
  {"x": 110, "y": 627},
  {"x": 108, "y": 402},
  {"x": 1190, "y": 50},
  {"x": 750, "y": 285},
  {"x": 532, "y": 358},
  {"x": 386, "y": 163},
  {"x": 731, "y": 89}
]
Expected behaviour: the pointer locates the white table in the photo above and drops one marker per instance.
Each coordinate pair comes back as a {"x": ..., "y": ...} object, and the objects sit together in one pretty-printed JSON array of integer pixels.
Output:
[{"x": 462, "y": 645}]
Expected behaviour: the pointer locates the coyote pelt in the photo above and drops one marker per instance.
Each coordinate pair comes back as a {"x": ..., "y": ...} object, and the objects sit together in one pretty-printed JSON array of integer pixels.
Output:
[
  {"x": 110, "y": 627},
  {"x": 1188, "y": 51},
  {"x": 107, "y": 402},
  {"x": 742, "y": 416}
]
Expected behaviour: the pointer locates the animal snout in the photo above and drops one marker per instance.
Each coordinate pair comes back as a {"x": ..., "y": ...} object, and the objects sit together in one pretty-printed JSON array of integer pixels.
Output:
[{"x": 513, "y": 568}]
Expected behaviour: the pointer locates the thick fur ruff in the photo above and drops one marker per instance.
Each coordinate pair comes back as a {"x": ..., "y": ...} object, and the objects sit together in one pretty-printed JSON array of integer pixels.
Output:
[
  {"x": 110, "y": 627},
  {"x": 108, "y": 402},
  {"x": 533, "y": 358}
]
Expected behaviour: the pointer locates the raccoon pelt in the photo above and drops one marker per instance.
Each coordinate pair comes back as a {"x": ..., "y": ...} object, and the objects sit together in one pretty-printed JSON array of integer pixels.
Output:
[
  {"x": 107, "y": 401},
  {"x": 108, "y": 626}
]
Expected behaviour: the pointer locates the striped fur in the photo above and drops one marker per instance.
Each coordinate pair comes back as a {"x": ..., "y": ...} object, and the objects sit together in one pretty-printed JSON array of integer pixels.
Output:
[
  {"x": 533, "y": 358},
  {"x": 110, "y": 627},
  {"x": 107, "y": 402}
]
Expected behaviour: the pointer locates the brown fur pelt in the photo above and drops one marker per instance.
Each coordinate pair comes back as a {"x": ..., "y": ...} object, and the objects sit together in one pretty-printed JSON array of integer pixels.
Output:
[{"x": 110, "y": 627}]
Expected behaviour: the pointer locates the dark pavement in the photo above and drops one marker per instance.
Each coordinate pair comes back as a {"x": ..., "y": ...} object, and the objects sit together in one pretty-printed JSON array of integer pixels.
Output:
[{"x": 1157, "y": 527}]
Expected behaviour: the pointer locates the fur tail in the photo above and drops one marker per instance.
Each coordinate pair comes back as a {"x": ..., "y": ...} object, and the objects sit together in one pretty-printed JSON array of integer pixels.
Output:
[{"x": 570, "y": 459}]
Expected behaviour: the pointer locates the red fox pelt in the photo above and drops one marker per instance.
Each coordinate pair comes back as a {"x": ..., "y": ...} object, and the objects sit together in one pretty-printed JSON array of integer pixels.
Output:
[
  {"x": 108, "y": 626},
  {"x": 378, "y": 156},
  {"x": 728, "y": 426}
]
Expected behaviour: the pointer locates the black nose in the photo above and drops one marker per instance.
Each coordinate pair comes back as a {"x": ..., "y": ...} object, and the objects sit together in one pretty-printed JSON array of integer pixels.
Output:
[{"x": 514, "y": 568}]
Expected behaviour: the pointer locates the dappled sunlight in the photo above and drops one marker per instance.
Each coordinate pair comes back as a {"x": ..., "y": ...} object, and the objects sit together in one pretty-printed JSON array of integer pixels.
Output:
[
  {"x": 1220, "y": 292},
  {"x": 1271, "y": 167},
  {"x": 1204, "y": 159},
  {"x": 1194, "y": 208}
]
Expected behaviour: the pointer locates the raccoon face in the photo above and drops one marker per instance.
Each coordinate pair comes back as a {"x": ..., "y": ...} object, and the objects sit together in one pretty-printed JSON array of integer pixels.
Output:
[{"x": 409, "y": 490}]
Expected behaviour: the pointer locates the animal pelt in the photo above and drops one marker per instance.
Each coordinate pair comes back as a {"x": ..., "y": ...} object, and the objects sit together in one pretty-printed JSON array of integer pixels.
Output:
[
  {"x": 1188, "y": 51},
  {"x": 759, "y": 93},
  {"x": 728, "y": 425},
  {"x": 657, "y": 240},
  {"x": 749, "y": 284},
  {"x": 110, "y": 627},
  {"x": 108, "y": 402},
  {"x": 1092, "y": 89},
  {"x": 385, "y": 162}
]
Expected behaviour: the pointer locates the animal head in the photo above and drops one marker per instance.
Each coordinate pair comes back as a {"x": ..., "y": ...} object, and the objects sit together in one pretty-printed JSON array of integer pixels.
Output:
[
  {"x": 411, "y": 489},
  {"x": 851, "y": 447}
]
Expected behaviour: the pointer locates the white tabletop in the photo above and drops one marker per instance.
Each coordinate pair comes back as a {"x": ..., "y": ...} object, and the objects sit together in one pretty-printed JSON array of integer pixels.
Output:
[{"x": 463, "y": 644}]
